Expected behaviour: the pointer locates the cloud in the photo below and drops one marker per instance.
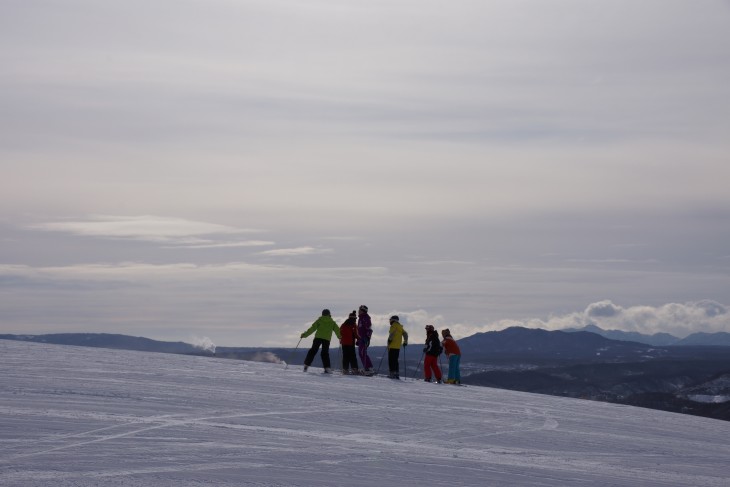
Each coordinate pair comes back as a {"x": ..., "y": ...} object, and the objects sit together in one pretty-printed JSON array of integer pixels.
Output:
[
  {"x": 210, "y": 244},
  {"x": 602, "y": 309},
  {"x": 180, "y": 272},
  {"x": 174, "y": 232},
  {"x": 142, "y": 227},
  {"x": 678, "y": 319},
  {"x": 118, "y": 272},
  {"x": 295, "y": 251}
]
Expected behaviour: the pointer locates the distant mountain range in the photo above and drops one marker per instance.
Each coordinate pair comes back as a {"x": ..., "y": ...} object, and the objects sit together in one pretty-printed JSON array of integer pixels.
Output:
[
  {"x": 534, "y": 345},
  {"x": 690, "y": 378},
  {"x": 108, "y": 340},
  {"x": 721, "y": 339},
  {"x": 660, "y": 339},
  {"x": 591, "y": 344}
]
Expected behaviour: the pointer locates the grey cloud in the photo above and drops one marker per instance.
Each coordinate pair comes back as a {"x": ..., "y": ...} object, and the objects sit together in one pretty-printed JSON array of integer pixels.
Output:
[
  {"x": 471, "y": 95},
  {"x": 602, "y": 309},
  {"x": 210, "y": 244},
  {"x": 712, "y": 308}
]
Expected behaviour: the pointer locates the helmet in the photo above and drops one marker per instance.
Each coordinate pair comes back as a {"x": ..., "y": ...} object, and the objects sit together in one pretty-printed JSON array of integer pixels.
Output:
[
  {"x": 326, "y": 312},
  {"x": 363, "y": 308},
  {"x": 394, "y": 318}
]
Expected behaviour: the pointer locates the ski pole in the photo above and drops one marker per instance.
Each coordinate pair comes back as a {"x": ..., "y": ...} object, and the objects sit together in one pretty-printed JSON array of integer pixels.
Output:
[
  {"x": 405, "y": 365},
  {"x": 419, "y": 365},
  {"x": 341, "y": 358},
  {"x": 381, "y": 360},
  {"x": 292, "y": 354}
]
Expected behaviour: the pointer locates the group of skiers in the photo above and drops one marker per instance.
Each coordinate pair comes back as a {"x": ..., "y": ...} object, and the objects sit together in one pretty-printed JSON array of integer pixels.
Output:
[{"x": 356, "y": 332}]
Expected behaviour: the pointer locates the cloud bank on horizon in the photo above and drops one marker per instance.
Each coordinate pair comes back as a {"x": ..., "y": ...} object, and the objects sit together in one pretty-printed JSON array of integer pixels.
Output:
[
  {"x": 229, "y": 170},
  {"x": 678, "y": 319}
]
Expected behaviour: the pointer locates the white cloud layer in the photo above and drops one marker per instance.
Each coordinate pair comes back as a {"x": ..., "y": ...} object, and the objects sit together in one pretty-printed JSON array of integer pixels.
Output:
[
  {"x": 171, "y": 231},
  {"x": 678, "y": 319},
  {"x": 141, "y": 227},
  {"x": 295, "y": 251}
]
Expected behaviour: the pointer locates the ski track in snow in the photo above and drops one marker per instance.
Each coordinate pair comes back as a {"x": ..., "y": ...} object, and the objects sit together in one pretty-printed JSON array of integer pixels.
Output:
[{"x": 84, "y": 416}]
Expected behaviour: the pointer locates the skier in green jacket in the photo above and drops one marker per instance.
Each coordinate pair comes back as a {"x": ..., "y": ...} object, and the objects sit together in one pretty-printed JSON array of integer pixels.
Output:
[{"x": 324, "y": 326}]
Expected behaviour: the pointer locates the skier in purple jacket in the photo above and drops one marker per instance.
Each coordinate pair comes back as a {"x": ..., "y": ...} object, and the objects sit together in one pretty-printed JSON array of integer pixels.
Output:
[{"x": 364, "y": 331}]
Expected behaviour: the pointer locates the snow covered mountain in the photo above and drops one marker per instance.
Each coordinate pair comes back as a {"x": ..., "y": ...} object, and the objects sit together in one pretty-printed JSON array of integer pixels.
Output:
[{"x": 84, "y": 416}]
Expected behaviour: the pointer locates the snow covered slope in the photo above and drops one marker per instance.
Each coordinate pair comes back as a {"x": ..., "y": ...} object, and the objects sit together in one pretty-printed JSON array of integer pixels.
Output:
[{"x": 83, "y": 416}]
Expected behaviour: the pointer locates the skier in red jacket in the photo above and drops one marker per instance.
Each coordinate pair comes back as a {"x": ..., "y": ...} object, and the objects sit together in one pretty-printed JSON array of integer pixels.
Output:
[{"x": 348, "y": 332}]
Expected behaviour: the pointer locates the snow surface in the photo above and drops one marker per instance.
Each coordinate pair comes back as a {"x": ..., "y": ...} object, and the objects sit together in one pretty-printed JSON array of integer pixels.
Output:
[{"x": 85, "y": 416}]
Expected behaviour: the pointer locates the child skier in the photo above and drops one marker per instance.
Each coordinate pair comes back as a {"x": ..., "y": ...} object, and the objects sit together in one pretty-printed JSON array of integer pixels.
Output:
[
  {"x": 364, "y": 332},
  {"x": 348, "y": 332},
  {"x": 324, "y": 326},
  {"x": 397, "y": 336},
  {"x": 432, "y": 350},
  {"x": 454, "y": 355}
]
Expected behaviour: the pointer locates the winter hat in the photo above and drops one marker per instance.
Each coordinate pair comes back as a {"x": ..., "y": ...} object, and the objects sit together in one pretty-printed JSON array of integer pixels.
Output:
[
  {"x": 429, "y": 328},
  {"x": 363, "y": 308},
  {"x": 353, "y": 314},
  {"x": 445, "y": 332},
  {"x": 394, "y": 318},
  {"x": 325, "y": 312}
]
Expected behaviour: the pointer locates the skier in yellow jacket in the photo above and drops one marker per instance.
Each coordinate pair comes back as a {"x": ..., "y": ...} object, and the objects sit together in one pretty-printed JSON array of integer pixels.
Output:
[
  {"x": 324, "y": 326},
  {"x": 397, "y": 336}
]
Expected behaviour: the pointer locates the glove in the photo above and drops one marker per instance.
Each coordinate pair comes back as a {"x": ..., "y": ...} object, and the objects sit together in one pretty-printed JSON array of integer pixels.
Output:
[
  {"x": 425, "y": 349},
  {"x": 302, "y": 335},
  {"x": 405, "y": 343},
  {"x": 357, "y": 342}
]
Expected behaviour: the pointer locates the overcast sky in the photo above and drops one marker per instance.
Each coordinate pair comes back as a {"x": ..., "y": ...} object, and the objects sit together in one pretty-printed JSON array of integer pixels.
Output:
[{"x": 226, "y": 169}]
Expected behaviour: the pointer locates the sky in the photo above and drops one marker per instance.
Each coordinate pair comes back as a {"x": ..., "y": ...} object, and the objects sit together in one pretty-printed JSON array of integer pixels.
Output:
[{"x": 224, "y": 170}]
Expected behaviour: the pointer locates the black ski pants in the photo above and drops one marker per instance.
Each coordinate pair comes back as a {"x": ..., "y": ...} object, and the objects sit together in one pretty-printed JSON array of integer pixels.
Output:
[
  {"x": 349, "y": 358},
  {"x": 325, "y": 344},
  {"x": 393, "y": 364}
]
